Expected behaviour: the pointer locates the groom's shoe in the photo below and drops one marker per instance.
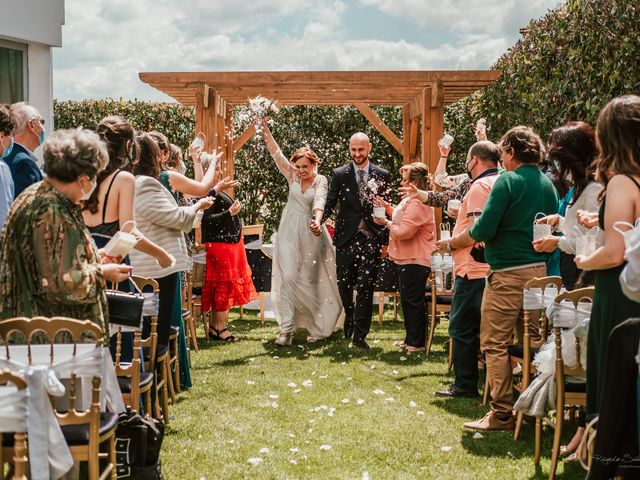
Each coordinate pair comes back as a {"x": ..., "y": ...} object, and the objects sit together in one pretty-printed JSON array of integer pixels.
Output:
[
  {"x": 349, "y": 327},
  {"x": 360, "y": 343}
]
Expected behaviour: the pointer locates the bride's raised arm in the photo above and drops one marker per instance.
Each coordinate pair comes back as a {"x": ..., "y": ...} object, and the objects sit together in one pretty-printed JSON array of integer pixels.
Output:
[{"x": 283, "y": 164}]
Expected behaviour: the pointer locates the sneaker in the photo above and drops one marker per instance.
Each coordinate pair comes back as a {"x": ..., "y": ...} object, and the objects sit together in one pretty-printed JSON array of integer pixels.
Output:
[
  {"x": 517, "y": 370},
  {"x": 490, "y": 422}
]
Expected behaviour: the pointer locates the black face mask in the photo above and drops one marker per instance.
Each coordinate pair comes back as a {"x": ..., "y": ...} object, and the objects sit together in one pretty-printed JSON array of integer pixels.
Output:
[{"x": 469, "y": 171}]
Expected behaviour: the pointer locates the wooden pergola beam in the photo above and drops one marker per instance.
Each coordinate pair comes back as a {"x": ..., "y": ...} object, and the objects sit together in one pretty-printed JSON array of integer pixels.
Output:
[
  {"x": 380, "y": 126},
  {"x": 239, "y": 142}
]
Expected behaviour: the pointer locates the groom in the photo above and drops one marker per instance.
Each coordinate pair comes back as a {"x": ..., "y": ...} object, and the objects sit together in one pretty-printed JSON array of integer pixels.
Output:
[{"x": 359, "y": 242}]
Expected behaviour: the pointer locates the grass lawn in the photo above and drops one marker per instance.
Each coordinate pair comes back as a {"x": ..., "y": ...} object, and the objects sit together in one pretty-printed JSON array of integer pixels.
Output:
[{"x": 328, "y": 411}]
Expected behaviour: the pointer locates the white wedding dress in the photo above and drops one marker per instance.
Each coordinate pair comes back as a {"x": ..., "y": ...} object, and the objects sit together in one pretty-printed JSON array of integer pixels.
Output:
[{"x": 304, "y": 289}]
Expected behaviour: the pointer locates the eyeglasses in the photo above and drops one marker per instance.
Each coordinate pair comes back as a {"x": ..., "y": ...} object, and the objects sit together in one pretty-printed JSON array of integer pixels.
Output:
[{"x": 39, "y": 120}]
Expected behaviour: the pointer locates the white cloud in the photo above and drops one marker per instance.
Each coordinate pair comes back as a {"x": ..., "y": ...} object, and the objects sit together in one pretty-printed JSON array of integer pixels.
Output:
[{"x": 107, "y": 43}]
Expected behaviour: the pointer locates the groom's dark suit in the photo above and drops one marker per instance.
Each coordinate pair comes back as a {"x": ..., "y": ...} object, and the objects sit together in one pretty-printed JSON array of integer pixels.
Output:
[{"x": 358, "y": 241}]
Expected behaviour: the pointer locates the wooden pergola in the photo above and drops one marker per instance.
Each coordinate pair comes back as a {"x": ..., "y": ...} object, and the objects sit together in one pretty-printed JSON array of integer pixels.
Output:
[{"x": 422, "y": 94}]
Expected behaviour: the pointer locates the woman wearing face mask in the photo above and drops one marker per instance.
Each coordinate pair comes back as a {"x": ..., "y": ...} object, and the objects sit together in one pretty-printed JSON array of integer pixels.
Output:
[
  {"x": 49, "y": 265},
  {"x": 412, "y": 238},
  {"x": 303, "y": 289},
  {"x": 7, "y": 124},
  {"x": 572, "y": 149}
]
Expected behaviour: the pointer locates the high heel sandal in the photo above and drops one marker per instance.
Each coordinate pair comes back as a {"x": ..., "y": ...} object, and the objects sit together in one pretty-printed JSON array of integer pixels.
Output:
[
  {"x": 284, "y": 338},
  {"x": 216, "y": 334}
]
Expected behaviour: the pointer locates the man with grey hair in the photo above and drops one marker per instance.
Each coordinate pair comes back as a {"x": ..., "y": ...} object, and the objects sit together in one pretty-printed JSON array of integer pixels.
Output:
[
  {"x": 359, "y": 241},
  {"x": 29, "y": 135}
]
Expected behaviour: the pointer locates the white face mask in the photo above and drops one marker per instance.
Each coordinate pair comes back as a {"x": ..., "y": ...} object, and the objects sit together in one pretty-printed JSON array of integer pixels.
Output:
[{"x": 85, "y": 196}]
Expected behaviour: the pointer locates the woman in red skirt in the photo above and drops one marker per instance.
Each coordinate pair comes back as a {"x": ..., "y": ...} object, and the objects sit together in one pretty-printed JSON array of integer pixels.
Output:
[{"x": 228, "y": 280}]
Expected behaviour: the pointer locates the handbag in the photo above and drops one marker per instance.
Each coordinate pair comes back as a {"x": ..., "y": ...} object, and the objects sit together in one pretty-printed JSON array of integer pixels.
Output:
[
  {"x": 138, "y": 443},
  {"x": 125, "y": 308},
  {"x": 477, "y": 253}
]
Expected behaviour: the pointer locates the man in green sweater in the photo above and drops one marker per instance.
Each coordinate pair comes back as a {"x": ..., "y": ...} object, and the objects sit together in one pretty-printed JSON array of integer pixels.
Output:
[{"x": 506, "y": 228}]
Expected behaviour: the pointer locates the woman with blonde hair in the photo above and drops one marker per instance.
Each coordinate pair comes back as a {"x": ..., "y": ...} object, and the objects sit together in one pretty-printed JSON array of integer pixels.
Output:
[
  {"x": 412, "y": 238},
  {"x": 304, "y": 291}
]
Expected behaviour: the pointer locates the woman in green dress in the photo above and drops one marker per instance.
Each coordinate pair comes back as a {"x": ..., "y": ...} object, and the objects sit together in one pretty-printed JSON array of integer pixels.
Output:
[
  {"x": 617, "y": 132},
  {"x": 49, "y": 265}
]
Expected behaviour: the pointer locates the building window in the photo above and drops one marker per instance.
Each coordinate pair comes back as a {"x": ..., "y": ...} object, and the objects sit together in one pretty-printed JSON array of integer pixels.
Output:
[{"x": 13, "y": 72}]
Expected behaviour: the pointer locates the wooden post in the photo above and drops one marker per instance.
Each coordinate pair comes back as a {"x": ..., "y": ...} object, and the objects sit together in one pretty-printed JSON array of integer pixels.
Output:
[
  {"x": 426, "y": 128},
  {"x": 406, "y": 134}
]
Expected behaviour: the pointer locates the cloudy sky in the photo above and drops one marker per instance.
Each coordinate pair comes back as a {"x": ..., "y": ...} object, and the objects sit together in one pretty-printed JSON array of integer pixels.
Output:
[{"x": 107, "y": 42}]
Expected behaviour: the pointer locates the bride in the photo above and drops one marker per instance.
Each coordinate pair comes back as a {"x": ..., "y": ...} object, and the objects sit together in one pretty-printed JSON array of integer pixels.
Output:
[{"x": 304, "y": 291}]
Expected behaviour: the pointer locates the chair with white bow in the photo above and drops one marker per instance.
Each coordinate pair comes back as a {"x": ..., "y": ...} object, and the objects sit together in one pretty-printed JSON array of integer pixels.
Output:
[
  {"x": 13, "y": 424},
  {"x": 46, "y": 350}
]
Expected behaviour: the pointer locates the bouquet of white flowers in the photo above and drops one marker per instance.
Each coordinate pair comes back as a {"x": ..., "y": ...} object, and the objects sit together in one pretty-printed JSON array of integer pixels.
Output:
[{"x": 257, "y": 109}]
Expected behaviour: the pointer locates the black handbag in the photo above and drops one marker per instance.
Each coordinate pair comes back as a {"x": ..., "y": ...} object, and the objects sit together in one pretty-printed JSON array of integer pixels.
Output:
[
  {"x": 125, "y": 308},
  {"x": 477, "y": 253},
  {"x": 138, "y": 443}
]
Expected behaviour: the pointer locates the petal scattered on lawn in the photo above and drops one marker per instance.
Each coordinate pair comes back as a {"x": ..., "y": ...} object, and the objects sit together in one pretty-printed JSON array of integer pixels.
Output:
[
  {"x": 325, "y": 447},
  {"x": 323, "y": 376},
  {"x": 292, "y": 385},
  {"x": 360, "y": 401},
  {"x": 310, "y": 430},
  {"x": 274, "y": 404},
  {"x": 372, "y": 367},
  {"x": 292, "y": 435},
  {"x": 413, "y": 404},
  {"x": 294, "y": 450},
  {"x": 365, "y": 475},
  {"x": 403, "y": 359},
  {"x": 275, "y": 357},
  {"x": 297, "y": 390},
  {"x": 293, "y": 462},
  {"x": 345, "y": 400},
  {"x": 250, "y": 382},
  {"x": 255, "y": 460},
  {"x": 389, "y": 399},
  {"x": 377, "y": 391},
  {"x": 477, "y": 435},
  {"x": 343, "y": 363},
  {"x": 273, "y": 396},
  {"x": 264, "y": 450},
  {"x": 419, "y": 412},
  {"x": 376, "y": 341},
  {"x": 394, "y": 372},
  {"x": 445, "y": 448},
  {"x": 307, "y": 383}
]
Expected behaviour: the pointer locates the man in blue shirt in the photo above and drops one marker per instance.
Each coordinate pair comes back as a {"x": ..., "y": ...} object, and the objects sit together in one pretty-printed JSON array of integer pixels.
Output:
[
  {"x": 29, "y": 134},
  {"x": 7, "y": 125}
]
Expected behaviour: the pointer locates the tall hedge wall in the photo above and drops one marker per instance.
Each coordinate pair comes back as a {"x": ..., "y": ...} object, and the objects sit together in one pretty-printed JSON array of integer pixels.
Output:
[{"x": 567, "y": 66}]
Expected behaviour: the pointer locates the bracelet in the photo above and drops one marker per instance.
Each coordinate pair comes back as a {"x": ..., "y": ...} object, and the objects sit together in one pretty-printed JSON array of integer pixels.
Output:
[{"x": 444, "y": 156}]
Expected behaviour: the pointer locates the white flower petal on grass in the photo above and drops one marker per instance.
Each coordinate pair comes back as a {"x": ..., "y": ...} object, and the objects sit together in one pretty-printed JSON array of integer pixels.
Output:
[
  {"x": 403, "y": 359},
  {"x": 445, "y": 448},
  {"x": 275, "y": 357},
  {"x": 365, "y": 475},
  {"x": 274, "y": 404},
  {"x": 376, "y": 341},
  {"x": 360, "y": 401},
  {"x": 345, "y": 400},
  {"x": 419, "y": 412},
  {"x": 297, "y": 390},
  {"x": 255, "y": 460},
  {"x": 313, "y": 420},
  {"x": 349, "y": 379},
  {"x": 325, "y": 447},
  {"x": 294, "y": 450},
  {"x": 343, "y": 363},
  {"x": 231, "y": 441},
  {"x": 389, "y": 399},
  {"x": 310, "y": 430},
  {"x": 394, "y": 372},
  {"x": 398, "y": 387},
  {"x": 377, "y": 391},
  {"x": 477, "y": 436},
  {"x": 273, "y": 396},
  {"x": 372, "y": 367},
  {"x": 264, "y": 450},
  {"x": 413, "y": 404},
  {"x": 292, "y": 385},
  {"x": 307, "y": 383},
  {"x": 252, "y": 359},
  {"x": 292, "y": 435},
  {"x": 323, "y": 376},
  {"x": 293, "y": 462}
]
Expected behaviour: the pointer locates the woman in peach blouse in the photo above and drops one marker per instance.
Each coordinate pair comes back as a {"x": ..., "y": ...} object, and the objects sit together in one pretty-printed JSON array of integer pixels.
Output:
[{"x": 412, "y": 238}]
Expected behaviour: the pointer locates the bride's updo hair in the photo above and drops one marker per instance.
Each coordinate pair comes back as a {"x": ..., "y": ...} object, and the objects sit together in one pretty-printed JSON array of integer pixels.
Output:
[
  {"x": 419, "y": 173},
  {"x": 306, "y": 152}
]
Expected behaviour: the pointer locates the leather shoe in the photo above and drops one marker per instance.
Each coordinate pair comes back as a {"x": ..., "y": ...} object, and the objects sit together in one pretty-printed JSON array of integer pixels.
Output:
[
  {"x": 454, "y": 391},
  {"x": 490, "y": 422},
  {"x": 360, "y": 343},
  {"x": 349, "y": 327}
]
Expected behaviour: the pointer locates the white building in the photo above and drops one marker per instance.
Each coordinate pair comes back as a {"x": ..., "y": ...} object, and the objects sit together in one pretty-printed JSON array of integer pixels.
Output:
[{"x": 29, "y": 30}]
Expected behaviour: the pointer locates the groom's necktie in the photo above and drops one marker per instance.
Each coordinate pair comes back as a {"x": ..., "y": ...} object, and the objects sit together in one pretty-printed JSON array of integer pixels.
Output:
[
  {"x": 361, "y": 186},
  {"x": 362, "y": 226}
]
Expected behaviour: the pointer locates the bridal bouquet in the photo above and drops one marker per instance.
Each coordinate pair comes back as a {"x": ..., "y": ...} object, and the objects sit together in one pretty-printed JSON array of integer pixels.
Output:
[{"x": 257, "y": 109}]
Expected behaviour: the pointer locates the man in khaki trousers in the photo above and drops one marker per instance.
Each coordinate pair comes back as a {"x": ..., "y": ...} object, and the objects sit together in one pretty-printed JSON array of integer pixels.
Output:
[{"x": 506, "y": 228}]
